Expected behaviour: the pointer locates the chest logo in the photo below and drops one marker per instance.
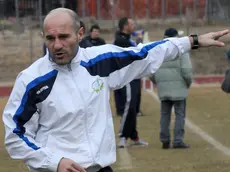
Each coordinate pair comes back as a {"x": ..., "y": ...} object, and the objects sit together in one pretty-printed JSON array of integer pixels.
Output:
[{"x": 97, "y": 85}]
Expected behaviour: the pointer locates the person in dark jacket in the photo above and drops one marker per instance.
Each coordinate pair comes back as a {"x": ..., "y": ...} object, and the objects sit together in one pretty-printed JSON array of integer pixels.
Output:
[
  {"x": 122, "y": 39},
  {"x": 128, "y": 94},
  {"x": 93, "y": 38},
  {"x": 84, "y": 43},
  {"x": 139, "y": 39}
]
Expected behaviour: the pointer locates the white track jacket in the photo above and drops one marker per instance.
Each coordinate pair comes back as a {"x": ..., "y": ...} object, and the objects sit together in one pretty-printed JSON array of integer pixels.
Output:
[{"x": 64, "y": 111}]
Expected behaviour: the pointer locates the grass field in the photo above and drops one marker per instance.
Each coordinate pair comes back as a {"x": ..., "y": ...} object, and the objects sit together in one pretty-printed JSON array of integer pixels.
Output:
[{"x": 207, "y": 108}]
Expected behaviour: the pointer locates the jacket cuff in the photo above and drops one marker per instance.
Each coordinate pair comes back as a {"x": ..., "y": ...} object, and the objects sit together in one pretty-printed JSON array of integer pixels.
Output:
[{"x": 183, "y": 44}]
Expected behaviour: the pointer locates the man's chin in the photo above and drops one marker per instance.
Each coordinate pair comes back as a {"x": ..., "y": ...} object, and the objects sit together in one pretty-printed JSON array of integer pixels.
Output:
[{"x": 61, "y": 61}]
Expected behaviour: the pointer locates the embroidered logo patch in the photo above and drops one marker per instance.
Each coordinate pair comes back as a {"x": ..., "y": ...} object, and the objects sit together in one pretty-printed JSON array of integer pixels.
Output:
[{"x": 97, "y": 85}]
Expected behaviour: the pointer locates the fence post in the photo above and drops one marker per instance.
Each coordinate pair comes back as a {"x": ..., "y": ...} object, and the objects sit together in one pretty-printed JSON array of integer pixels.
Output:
[
  {"x": 206, "y": 15},
  {"x": 40, "y": 13},
  {"x": 98, "y": 10},
  {"x": 188, "y": 20},
  {"x": 31, "y": 44},
  {"x": 147, "y": 11},
  {"x": 131, "y": 9},
  {"x": 2, "y": 5},
  {"x": 17, "y": 16},
  {"x": 83, "y": 8},
  {"x": 113, "y": 13},
  {"x": 195, "y": 9},
  {"x": 180, "y": 8},
  {"x": 63, "y": 3},
  {"x": 163, "y": 10}
]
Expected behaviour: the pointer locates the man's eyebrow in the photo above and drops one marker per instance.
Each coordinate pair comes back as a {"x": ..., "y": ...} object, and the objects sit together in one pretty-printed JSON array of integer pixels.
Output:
[
  {"x": 61, "y": 34},
  {"x": 64, "y": 34},
  {"x": 49, "y": 36}
]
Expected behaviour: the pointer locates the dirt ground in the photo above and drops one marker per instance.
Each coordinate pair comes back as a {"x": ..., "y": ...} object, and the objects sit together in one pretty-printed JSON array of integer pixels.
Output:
[
  {"x": 18, "y": 52},
  {"x": 208, "y": 108}
]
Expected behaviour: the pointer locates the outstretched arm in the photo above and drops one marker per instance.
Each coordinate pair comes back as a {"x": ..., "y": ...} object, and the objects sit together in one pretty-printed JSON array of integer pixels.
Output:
[{"x": 122, "y": 65}]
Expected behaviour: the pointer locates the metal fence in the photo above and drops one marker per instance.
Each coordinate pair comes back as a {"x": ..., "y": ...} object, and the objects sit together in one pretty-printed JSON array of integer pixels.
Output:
[
  {"x": 17, "y": 10},
  {"x": 16, "y": 14},
  {"x": 21, "y": 21}
]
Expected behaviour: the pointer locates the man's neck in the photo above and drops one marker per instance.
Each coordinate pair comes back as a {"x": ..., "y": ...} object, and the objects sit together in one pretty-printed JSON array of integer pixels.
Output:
[{"x": 125, "y": 32}]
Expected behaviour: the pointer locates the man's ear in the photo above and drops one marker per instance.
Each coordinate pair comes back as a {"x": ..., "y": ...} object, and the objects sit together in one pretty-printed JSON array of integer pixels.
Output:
[
  {"x": 80, "y": 34},
  {"x": 42, "y": 34}
]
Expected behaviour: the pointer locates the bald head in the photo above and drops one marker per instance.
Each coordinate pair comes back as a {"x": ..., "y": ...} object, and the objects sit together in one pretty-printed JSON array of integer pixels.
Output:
[
  {"x": 62, "y": 31},
  {"x": 64, "y": 15}
]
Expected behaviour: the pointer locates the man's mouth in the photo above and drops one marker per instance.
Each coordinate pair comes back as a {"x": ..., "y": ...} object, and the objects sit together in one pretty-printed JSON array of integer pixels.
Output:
[{"x": 59, "y": 55}]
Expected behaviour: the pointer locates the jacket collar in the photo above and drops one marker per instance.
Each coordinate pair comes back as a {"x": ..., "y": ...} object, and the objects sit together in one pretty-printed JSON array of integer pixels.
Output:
[{"x": 75, "y": 59}]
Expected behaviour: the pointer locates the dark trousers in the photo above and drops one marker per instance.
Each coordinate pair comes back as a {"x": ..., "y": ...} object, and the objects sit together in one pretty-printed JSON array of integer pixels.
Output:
[
  {"x": 180, "y": 109},
  {"x": 129, "y": 117},
  {"x": 138, "y": 82},
  {"x": 120, "y": 99},
  {"x": 106, "y": 169}
]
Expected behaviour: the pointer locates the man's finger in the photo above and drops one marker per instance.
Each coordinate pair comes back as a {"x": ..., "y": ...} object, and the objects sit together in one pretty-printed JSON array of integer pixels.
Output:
[
  {"x": 219, "y": 44},
  {"x": 219, "y": 34},
  {"x": 78, "y": 167},
  {"x": 73, "y": 170}
]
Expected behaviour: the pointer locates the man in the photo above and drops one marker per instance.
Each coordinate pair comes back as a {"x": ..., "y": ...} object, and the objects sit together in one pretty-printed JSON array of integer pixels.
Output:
[
  {"x": 85, "y": 43},
  {"x": 93, "y": 38},
  {"x": 122, "y": 39},
  {"x": 58, "y": 116},
  {"x": 130, "y": 93},
  {"x": 173, "y": 80}
]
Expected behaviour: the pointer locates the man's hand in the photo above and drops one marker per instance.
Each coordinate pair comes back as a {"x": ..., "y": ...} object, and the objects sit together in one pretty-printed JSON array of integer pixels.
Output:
[
  {"x": 68, "y": 165},
  {"x": 139, "y": 34},
  {"x": 211, "y": 39}
]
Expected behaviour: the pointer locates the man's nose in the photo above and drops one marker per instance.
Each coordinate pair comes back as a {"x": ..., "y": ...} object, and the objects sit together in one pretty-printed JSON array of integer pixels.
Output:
[{"x": 58, "y": 44}]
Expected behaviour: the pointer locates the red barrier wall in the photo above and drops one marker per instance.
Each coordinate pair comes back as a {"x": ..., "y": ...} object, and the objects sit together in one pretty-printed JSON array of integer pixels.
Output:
[{"x": 123, "y": 8}]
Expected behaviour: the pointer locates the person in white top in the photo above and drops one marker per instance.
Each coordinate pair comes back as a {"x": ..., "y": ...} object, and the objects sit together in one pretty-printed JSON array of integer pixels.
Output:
[{"x": 58, "y": 116}]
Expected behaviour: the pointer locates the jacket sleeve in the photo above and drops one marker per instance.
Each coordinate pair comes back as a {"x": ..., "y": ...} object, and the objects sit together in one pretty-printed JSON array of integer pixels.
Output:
[
  {"x": 186, "y": 69},
  {"x": 122, "y": 65},
  {"x": 20, "y": 118}
]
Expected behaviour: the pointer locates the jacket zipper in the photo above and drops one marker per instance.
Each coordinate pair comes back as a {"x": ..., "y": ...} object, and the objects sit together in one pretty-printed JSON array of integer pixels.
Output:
[
  {"x": 69, "y": 67},
  {"x": 85, "y": 110}
]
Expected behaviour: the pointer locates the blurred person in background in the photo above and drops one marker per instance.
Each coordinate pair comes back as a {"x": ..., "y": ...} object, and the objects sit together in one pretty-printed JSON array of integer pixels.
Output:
[
  {"x": 173, "y": 79},
  {"x": 93, "y": 38},
  {"x": 127, "y": 99},
  {"x": 139, "y": 39},
  {"x": 84, "y": 43}
]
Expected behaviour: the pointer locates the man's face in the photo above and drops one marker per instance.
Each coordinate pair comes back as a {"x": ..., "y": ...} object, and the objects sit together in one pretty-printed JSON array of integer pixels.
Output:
[
  {"x": 61, "y": 39},
  {"x": 130, "y": 26},
  {"x": 95, "y": 33}
]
